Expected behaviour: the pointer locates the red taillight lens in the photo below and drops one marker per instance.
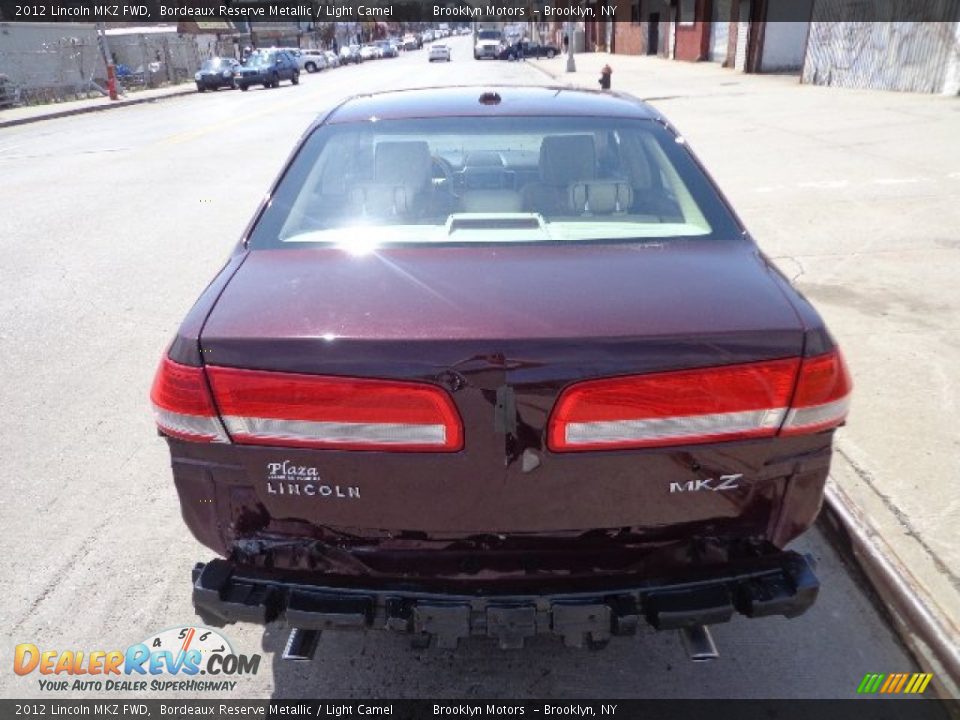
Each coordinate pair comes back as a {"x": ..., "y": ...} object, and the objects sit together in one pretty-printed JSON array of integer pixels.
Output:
[
  {"x": 822, "y": 398},
  {"x": 182, "y": 403},
  {"x": 674, "y": 408},
  {"x": 269, "y": 408},
  {"x": 702, "y": 406}
]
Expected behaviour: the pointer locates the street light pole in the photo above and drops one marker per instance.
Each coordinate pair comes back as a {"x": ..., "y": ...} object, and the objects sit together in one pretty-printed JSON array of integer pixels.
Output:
[{"x": 571, "y": 64}]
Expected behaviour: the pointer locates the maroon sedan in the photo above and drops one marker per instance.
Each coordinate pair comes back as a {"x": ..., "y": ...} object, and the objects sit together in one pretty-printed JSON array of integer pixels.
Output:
[{"x": 499, "y": 363}]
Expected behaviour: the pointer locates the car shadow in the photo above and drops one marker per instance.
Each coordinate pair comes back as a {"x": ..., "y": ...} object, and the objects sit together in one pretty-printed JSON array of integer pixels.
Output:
[{"x": 281, "y": 86}]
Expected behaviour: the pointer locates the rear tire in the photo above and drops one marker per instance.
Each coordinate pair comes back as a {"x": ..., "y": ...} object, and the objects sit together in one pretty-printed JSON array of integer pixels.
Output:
[
  {"x": 244, "y": 87},
  {"x": 550, "y": 54},
  {"x": 310, "y": 67},
  {"x": 295, "y": 79}
]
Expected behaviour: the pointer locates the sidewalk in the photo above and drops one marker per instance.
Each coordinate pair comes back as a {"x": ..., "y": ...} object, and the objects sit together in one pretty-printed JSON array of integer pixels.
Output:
[
  {"x": 32, "y": 113},
  {"x": 856, "y": 196}
]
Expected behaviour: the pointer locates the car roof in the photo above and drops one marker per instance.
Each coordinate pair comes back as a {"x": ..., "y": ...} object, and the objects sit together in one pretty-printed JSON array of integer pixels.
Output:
[{"x": 465, "y": 101}]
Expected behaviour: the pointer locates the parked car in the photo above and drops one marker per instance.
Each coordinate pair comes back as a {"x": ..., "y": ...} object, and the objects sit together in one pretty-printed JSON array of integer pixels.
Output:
[
  {"x": 350, "y": 54},
  {"x": 439, "y": 52},
  {"x": 296, "y": 53},
  {"x": 333, "y": 60},
  {"x": 267, "y": 68},
  {"x": 215, "y": 73},
  {"x": 387, "y": 49},
  {"x": 370, "y": 52},
  {"x": 315, "y": 60},
  {"x": 529, "y": 50},
  {"x": 552, "y": 387}
]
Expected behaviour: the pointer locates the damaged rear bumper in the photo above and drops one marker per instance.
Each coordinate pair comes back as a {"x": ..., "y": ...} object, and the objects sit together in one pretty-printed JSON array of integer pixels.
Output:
[{"x": 778, "y": 584}]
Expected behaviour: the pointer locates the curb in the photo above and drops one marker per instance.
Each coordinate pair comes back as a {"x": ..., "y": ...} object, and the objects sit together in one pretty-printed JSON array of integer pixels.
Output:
[
  {"x": 546, "y": 72},
  {"x": 92, "y": 108},
  {"x": 917, "y": 619}
]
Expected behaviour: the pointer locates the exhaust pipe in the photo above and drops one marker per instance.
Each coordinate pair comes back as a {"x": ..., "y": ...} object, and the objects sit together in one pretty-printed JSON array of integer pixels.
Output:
[
  {"x": 301, "y": 645},
  {"x": 699, "y": 643}
]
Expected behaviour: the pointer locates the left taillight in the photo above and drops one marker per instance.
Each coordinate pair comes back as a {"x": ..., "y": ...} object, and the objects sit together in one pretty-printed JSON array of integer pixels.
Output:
[
  {"x": 318, "y": 411},
  {"x": 182, "y": 404}
]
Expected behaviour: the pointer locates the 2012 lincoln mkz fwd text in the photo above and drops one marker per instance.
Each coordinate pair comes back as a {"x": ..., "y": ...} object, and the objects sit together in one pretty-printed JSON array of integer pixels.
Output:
[{"x": 501, "y": 362}]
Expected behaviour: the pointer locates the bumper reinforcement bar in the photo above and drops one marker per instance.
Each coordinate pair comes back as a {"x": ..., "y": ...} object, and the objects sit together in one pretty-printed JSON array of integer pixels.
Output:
[{"x": 780, "y": 584}]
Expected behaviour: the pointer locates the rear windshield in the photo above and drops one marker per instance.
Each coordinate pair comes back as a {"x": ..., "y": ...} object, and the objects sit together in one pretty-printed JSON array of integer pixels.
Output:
[
  {"x": 488, "y": 35},
  {"x": 258, "y": 59},
  {"x": 500, "y": 179},
  {"x": 215, "y": 64}
]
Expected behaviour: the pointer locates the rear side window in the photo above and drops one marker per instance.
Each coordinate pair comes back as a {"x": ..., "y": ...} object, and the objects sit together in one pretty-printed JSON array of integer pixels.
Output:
[{"x": 501, "y": 179}]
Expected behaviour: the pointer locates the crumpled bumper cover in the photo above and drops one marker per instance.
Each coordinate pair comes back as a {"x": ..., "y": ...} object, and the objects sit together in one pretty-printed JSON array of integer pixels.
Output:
[{"x": 780, "y": 584}]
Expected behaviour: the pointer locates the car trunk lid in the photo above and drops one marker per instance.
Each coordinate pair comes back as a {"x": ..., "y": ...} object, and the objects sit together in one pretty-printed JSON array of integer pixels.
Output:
[{"x": 504, "y": 329}]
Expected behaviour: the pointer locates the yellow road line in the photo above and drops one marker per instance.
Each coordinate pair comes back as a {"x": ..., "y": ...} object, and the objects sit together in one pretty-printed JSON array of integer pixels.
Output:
[{"x": 189, "y": 135}]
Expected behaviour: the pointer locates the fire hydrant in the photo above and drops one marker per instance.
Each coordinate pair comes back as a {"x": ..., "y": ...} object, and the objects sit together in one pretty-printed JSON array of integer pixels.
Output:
[
  {"x": 605, "y": 74},
  {"x": 112, "y": 81}
]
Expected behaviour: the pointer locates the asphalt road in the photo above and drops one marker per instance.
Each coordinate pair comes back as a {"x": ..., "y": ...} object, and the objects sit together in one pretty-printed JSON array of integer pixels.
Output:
[{"x": 113, "y": 223}]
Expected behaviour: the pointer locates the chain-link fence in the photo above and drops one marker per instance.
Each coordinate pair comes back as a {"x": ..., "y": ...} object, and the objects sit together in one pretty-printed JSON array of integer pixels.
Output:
[
  {"x": 48, "y": 64},
  {"x": 51, "y": 63},
  {"x": 153, "y": 59}
]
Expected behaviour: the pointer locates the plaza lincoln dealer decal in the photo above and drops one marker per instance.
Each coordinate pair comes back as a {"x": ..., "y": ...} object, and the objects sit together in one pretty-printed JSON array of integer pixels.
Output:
[
  {"x": 169, "y": 661},
  {"x": 287, "y": 478}
]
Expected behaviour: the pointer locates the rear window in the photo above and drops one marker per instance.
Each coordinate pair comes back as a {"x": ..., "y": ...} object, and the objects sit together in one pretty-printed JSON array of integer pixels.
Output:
[
  {"x": 215, "y": 64},
  {"x": 500, "y": 179}
]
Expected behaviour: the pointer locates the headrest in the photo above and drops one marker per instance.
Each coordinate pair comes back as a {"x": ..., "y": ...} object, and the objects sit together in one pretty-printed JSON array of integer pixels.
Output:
[
  {"x": 381, "y": 199},
  {"x": 601, "y": 197},
  {"x": 491, "y": 201},
  {"x": 634, "y": 161},
  {"x": 402, "y": 163},
  {"x": 567, "y": 158}
]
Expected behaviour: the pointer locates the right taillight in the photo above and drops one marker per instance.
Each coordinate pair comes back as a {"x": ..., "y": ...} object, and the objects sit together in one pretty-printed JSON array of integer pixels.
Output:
[
  {"x": 182, "y": 403},
  {"x": 822, "y": 397},
  {"x": 703, "y": 405}
]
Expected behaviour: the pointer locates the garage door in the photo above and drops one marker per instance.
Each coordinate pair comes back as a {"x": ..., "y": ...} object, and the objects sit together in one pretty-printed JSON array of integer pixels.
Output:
[{"x": 719, "y": 29}]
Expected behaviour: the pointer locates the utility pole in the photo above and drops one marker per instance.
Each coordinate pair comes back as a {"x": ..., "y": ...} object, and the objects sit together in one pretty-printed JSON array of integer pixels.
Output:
[{"x": 571, "y": 63}]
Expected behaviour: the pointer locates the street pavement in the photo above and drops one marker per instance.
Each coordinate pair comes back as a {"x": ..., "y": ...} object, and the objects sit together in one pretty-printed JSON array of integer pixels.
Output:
[
  {"x": 33, "y": 113},
  {"x": 113, "y": 224},
  {"x": 856, "y": 196}
]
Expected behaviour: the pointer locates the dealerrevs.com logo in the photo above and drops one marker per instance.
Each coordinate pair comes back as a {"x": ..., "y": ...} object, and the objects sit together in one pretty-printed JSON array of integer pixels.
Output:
[{"x": 189, "y": 658}]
